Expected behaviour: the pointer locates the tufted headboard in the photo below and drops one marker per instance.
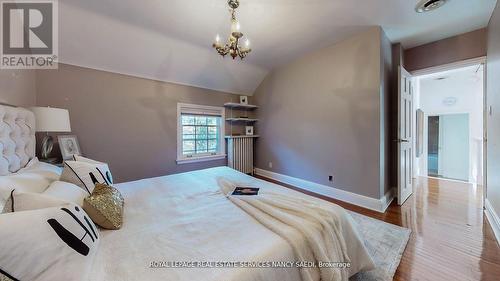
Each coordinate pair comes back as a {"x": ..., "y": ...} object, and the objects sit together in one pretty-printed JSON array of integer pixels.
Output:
[{"x": 17, "y": 138}]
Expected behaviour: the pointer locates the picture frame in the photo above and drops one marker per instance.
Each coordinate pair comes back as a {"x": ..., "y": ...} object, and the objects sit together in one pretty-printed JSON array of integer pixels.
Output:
[
  {"x": 69, "y": 146},
  {"x": 249, "y": 130},
  {"x": 244, "y": 100}
]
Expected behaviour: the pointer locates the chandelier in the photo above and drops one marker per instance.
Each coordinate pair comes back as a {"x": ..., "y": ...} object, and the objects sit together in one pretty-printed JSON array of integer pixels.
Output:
[{"x": 232, "y": 46}]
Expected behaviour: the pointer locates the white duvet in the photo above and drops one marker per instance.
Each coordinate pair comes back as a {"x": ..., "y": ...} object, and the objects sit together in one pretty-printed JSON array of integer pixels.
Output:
[{"x": 186, "y": 218}]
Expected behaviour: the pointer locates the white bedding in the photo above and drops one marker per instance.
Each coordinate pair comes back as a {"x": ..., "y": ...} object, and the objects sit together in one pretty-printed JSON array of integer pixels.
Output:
[
  {"x": 185, "y": 217},
  {"x": 35, "y": 177}
]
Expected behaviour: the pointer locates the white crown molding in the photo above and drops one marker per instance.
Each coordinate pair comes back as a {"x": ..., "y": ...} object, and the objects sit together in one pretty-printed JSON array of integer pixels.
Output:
[
  {"x": 493, "y": 219},
  {"x": 379, "y": 205}
]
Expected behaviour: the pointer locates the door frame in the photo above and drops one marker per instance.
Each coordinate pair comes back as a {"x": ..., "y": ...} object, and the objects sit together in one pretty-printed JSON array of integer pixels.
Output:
[
  {"x": 448, "y": 66},
  {"x": 459, "y": 64}
]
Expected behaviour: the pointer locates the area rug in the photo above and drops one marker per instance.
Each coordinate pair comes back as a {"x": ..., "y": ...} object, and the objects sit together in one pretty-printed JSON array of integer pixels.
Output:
[{"x": 385, "y": 243}]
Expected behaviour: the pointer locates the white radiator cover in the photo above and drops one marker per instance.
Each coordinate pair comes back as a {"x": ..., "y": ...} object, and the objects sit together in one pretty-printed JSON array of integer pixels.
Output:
[{"x": 240, "y": 154}]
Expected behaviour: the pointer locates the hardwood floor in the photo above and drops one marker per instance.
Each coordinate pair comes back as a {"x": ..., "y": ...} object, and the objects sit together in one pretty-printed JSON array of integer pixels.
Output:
[{"x": 451, "y": 238}]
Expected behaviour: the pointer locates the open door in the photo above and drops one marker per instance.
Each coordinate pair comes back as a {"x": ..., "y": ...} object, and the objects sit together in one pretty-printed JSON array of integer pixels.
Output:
[{"x": 405, "y": 136}]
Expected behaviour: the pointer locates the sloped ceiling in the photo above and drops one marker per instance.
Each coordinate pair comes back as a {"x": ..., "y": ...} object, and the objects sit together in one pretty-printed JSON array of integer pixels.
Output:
[{"x": 170, "y": 40}]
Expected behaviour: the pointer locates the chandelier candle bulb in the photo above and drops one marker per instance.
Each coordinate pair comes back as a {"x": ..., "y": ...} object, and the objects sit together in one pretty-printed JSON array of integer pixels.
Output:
[{"x": 235, "y": 26}]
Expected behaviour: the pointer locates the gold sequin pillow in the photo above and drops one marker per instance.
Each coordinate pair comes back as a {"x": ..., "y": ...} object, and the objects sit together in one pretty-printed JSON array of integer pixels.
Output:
[{"x": 105, "y": 206}]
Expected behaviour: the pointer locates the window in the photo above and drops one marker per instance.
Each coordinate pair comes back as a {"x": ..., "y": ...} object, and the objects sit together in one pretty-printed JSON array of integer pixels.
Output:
[{"x": 200, "y": 133}]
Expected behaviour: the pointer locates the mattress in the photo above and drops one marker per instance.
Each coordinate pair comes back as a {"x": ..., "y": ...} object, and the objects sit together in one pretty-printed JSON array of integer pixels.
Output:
[{"x": 175, "y": 224}]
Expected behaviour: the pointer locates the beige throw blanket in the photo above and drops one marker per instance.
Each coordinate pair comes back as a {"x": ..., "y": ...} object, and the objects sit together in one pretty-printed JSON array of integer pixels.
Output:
[{"x": 313, "y": 230}]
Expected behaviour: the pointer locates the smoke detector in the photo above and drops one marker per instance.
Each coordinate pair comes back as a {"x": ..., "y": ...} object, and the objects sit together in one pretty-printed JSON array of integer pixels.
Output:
[{"x": 424, "y": 6}]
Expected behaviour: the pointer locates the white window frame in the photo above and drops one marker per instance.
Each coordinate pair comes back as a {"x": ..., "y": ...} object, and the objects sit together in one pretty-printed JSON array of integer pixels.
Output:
[{"x": 185, "y": 108}]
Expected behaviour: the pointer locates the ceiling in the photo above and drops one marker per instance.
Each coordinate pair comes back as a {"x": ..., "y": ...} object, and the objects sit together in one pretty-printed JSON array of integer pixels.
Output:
[
  {"x": 170, "y": 40},
  {"x": 454, "y": 91},
  {"x": 467, "y": 74}
]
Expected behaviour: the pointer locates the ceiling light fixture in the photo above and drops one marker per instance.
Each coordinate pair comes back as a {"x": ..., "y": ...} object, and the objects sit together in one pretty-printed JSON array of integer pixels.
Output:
[
  {"x": 429, "y": 5},
  {"x": 450, "y": 101},
  {"x": 232, "y": 46}
]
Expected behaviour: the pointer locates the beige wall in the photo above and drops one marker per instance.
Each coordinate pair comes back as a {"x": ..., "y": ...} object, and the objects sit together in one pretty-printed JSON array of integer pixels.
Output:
[
  {"x": 493, "y": 120},
  {"x": 324, "y": 114},
  {"x": 129, "y": 122},
  {"x": 461, "y": 47},
  {"x": 17, "y": 87}
]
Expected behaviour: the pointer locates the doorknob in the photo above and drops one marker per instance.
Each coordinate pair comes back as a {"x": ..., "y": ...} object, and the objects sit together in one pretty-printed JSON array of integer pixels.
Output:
[{"x": 401, "y": 140}]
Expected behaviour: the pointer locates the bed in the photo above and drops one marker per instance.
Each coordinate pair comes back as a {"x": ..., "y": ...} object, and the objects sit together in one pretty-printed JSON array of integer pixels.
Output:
[
  {"x": 181, "y": 227},
  {"x": 185, "y": 217}
]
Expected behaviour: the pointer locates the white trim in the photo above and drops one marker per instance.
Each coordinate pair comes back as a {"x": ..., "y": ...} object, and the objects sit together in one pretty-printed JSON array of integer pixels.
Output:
[
  {"x": 387, "y": 199},
  {"x": 205, "y": 110},
  {"x": 485, "y": 133},
  {"x": 200, "y": 159},
  {"x": 493, "y": 219},
  {"x": 379, "y": 205},
  {"x": 449, "y": 66}
]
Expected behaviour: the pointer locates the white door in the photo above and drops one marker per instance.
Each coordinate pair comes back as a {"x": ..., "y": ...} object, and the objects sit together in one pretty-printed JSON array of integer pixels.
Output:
[{"x": 405, "y": 136}]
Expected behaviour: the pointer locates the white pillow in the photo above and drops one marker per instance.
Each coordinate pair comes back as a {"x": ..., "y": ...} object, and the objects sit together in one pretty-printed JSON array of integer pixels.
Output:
[
  {"x": 49, "y": 171},
  {"x": 48, "y": 244},
  {"x": 66, "y": 191},
  {"x": 35, "y": 178},
  {"x": 30, "y": 163},
  {"x": 86, "y": 175},
  {"x": 27, "y": 201},
  {"x": 108, "y": 175}
]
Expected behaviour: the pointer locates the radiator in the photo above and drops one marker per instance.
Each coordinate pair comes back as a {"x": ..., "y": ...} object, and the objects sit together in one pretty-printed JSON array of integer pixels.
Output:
[{"x": 240, "y": 154}]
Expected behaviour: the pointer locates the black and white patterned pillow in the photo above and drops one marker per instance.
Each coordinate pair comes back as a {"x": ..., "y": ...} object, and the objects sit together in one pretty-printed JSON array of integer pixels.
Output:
[
  {"x": 108, "y": 174},
  {"x": 86, "y": 174},
  {"x": 57, "y": 243}
]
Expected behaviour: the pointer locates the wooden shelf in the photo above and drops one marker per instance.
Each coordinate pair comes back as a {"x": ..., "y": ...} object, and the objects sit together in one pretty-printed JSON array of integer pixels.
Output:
[
  {"x": 239, "y": 105},
  {"x": 242, "y": 136},
  {"x": 239, "y": 119}
]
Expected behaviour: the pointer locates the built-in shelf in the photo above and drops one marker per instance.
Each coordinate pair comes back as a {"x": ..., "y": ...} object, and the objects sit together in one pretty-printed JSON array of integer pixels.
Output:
[
  {"x": 239, "y": 119},
  {"x": 242, "y": 136},
  {"x": 239, "y": 105}
]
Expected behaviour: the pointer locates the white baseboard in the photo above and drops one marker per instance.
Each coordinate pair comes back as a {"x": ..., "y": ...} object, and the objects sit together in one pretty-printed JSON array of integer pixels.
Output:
[
  {"x": 379, "y": 205},
  {"x": 493, "y": 219}
]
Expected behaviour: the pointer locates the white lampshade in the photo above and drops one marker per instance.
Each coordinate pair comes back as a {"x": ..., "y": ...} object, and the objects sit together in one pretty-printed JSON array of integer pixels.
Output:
[{"x": 49, "y": 119}]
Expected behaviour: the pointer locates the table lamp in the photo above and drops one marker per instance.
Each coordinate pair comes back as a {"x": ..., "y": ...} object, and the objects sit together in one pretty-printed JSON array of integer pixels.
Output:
[{"x": 50, "y": 120}]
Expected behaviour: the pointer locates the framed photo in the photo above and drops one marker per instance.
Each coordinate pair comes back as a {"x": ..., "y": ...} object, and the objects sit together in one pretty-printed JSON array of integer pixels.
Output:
[
  {"x": 249, "y": 130},
  {"x": 244, "y": 100},
  {"x": 69, "y": 146}
]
